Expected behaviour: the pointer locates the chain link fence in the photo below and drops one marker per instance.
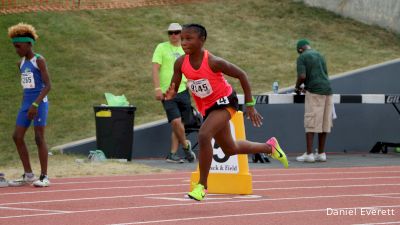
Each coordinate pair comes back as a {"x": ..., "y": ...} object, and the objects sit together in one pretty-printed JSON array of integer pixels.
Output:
[{"x": 18, "y": 6}]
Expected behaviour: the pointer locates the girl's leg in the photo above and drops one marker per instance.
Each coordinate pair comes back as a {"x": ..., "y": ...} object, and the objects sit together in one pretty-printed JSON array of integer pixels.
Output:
[
  {"x": 215, "y": 121},
  {"x": 42, "y": 148},
  {"x": 217, "y": 126},
  {"x": 18, "y": 137},
  {"x": 230, "y": 147}
]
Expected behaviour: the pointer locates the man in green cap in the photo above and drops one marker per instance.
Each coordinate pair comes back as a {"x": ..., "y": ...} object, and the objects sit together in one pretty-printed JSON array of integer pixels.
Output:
[{"x": 318, "y": 105}]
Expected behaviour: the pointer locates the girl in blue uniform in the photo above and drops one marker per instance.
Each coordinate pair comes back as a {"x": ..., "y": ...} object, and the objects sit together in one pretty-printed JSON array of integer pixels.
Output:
[{"x": 36, "y": 85}]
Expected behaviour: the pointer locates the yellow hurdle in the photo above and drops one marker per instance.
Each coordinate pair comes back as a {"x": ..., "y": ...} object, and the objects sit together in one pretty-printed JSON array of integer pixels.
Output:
[{"x": 231, "y": 176}]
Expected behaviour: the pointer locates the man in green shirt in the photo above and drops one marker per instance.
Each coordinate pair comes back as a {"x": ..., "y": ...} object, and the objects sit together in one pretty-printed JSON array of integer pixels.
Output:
[
  {"x": 312, "y": 72},
  {"x": 178, "y": 108}
]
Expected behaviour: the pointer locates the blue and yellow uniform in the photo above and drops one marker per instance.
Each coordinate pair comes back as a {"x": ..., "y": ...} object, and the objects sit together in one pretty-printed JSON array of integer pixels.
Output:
[{"x": 31, "y": 81}]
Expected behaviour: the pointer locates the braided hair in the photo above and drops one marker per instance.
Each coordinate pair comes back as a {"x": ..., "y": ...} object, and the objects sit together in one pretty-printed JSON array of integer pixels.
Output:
[{"x": 201, "y": 30}]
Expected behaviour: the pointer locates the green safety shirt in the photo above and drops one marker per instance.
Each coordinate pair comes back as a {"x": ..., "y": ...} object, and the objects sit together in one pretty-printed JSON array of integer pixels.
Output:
[
  {"x": 313, "y": 65},
  {"x": 166, "y": 54}
]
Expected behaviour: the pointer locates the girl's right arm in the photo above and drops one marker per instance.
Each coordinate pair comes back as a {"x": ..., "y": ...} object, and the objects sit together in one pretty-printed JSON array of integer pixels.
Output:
[{"x": 176, "y": 79}]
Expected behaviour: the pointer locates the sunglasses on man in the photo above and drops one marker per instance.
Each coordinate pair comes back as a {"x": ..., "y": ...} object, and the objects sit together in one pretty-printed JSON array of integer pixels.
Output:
[{"x": 174, "y": 32}]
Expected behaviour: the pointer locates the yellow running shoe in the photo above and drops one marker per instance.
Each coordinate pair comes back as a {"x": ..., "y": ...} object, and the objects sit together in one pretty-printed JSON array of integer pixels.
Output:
[
  {"x": 277, "y": 152},
  {"x": 198, "y": 193}
]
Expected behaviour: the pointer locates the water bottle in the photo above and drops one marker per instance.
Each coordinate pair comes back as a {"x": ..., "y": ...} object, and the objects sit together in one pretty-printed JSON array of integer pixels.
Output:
[{"x": 275, "y": 87}]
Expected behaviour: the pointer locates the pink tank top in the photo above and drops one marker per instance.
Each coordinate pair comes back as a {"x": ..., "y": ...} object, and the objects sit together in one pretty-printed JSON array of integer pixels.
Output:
[{"x": 206, "y": 86}]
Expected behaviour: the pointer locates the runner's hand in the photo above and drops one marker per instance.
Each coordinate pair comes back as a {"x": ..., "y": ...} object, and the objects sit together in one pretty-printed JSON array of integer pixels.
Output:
[
  {"x": 32, "y": 112},
  {"x": 170, "y": 93},
  {"x": 159, "y": 95},
  {"x": 299, "y": 91},
  {"x": 254, "y": 116}
]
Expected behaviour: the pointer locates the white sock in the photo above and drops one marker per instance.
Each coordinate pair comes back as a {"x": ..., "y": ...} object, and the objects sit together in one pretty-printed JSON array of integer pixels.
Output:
[{"x": 30, "y": 175}]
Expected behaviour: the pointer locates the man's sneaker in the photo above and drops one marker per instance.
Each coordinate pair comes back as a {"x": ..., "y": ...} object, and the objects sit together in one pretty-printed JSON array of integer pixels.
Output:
[
  {"x": 277, "y": 152},
  {"x": 42, "y": 182},
  {"x": 306, "y": 158},
  {"x": 174, "y": 158},
  {"x": 25, "y": 180},
  {"x": 198, "y": 193},
  {"x": 189, "y": 154},
  {"x": 3, "y": 181},
  {"x": 320, "y": 157}
]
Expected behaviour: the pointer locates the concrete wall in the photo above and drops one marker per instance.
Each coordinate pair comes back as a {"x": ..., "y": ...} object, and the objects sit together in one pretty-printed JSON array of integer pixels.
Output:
[
  {"x": 151, "y": 140},
  {"x": 357, "y": 128},
  {"x": 384, "y": 13}
]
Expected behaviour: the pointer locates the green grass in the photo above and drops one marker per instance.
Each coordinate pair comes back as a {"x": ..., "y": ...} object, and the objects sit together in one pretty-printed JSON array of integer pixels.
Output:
[
  {"x": 92, "y": 52},
  {"x": 67, "y": 166}
]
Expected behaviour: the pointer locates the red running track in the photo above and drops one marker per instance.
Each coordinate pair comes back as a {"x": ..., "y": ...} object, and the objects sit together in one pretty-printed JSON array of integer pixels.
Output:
[{"x": 291, "y": 196}]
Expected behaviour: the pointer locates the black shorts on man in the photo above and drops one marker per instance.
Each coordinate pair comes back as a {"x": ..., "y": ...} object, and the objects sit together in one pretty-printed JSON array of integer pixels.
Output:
[{"x": 180, "y": 106}]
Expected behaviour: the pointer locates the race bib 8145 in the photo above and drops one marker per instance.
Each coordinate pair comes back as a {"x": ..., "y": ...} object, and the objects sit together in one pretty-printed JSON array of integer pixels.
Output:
[{"x": 201, "y": 88}]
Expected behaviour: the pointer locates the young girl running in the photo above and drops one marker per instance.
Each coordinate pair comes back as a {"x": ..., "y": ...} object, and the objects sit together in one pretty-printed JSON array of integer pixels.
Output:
[
  {"x": 36, "y": 85},
  {"x": 217, "y": 102}
]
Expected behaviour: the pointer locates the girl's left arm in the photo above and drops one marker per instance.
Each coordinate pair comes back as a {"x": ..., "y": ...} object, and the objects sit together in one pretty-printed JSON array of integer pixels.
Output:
[
  {"x": 41, "y": 62},
  {"x": 33, "y": 109},
  {"x": 218, "y": 64}
]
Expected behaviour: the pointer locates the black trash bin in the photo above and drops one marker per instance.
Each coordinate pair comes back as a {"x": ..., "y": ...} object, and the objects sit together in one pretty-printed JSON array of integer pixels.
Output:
[{"x": 114, "y": 130}]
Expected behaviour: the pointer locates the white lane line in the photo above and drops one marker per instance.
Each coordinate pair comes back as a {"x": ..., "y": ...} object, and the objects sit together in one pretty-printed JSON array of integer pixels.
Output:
[
  {"x": 29, "y": 209},
  {"x": 386, "y": 196},
  {"x": 177, "y": 175},
  {"x": 179, "y": 185},
  {"x": 396, "y": 222},
  {"x": 156, "y": 174},
  {"x": 246, "y": 215},
  {"x": 335, "y": 168},
  {"x": 172, "y": 199},
  {"x": 116, "y": 181},
  {"x": 184, "y": 179},
  {"x": 122, "y": 196},
  {"x": 91, "y": 189},
  {"x": 93, "y": 198},
  {"x": 327, "y": 179},
  {"x": 326, "y": 186},
  {"x": 180, "y": 178},
  {"x": 196, "y": 203},
  {"x": 106, "y": 179},
  {"x": 272, "y": 174},
  {"x": 161, "y": 194},
  {"x": 268, "y": 170},
  {"x": 210, "y": 197}
]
